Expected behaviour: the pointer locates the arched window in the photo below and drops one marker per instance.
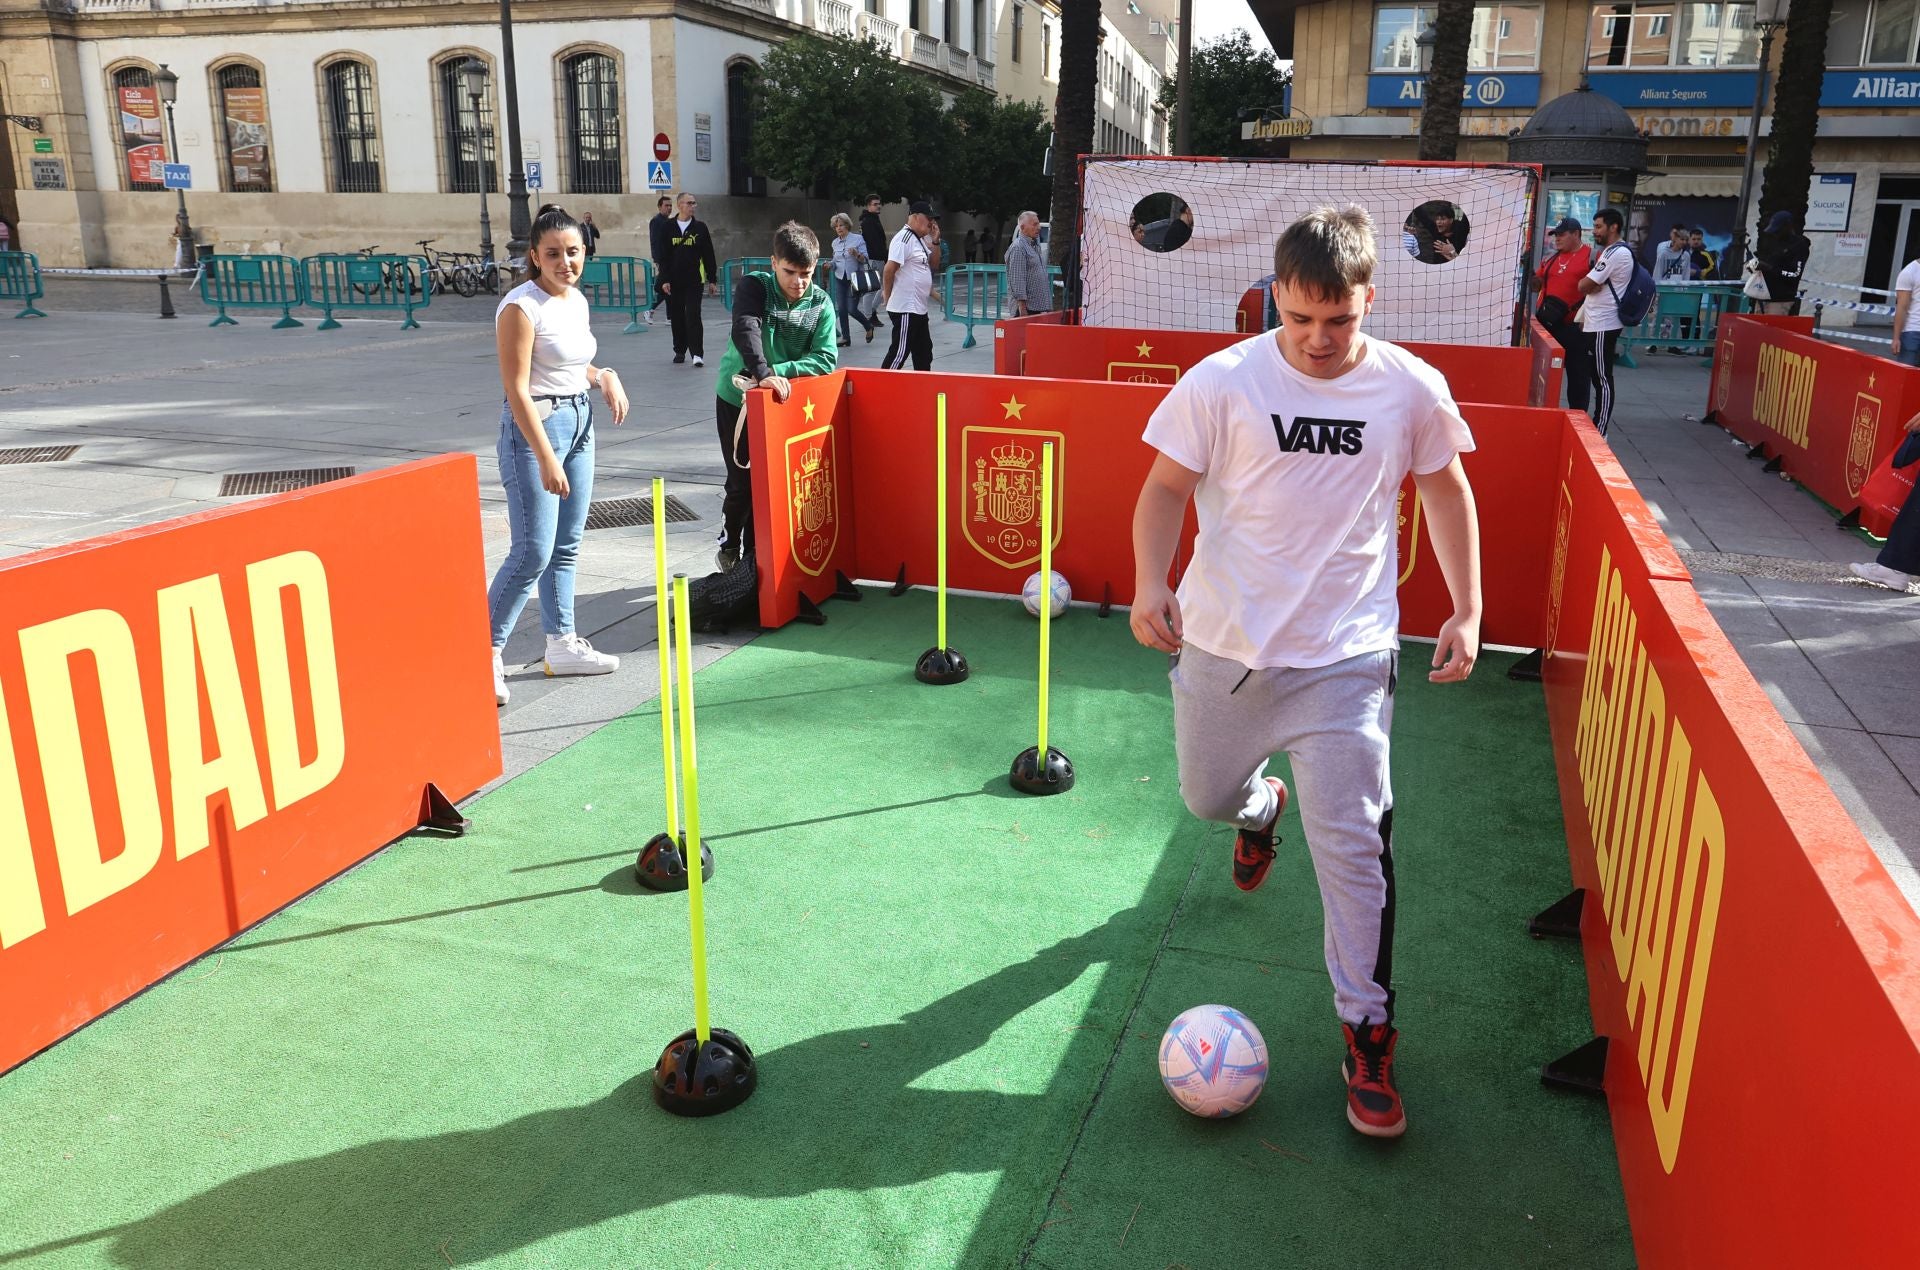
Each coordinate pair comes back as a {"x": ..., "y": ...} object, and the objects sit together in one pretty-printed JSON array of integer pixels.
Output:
[
  {"x": 741, "y": 180},
  {"x": 142, "y": 128},
  {"x": 593, "y": 124},
  {"x": 245, "y": 147},
  {"x": 353, "y": 128},
  {"x": 466, "y": 135}
]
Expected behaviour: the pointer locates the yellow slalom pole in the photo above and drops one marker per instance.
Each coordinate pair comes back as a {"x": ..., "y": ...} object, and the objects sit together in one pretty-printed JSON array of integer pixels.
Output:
[
  {"x": 1046, "y": 588},
  {"x": 661, "y": 601},
  {"x": 696, "y": 906},
  {"x": 940, "y": 519}
]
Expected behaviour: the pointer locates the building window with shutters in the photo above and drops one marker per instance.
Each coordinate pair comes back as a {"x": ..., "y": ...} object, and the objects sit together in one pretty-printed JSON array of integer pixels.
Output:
[
  {"x": 240, "y": 129},
  {"x": 353, "y": 129},
  {"x": 742, "y": 181},
  {"x": 466, "y": 135},
  {"x": 143, "y": 136},
  {"x": 592, "y": 133},
  {"x": 1019, "y": 29}
]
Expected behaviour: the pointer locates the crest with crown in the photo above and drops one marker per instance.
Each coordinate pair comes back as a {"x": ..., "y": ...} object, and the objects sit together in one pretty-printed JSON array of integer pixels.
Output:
[{"x": 1013, "y": 454}]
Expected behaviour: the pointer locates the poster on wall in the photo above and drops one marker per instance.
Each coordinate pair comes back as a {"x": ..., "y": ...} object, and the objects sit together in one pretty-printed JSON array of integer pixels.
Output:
[
  {"x": 140, "y": 134},
  {"x": 246, "y": 110},
  {"x": 1651, "y": 222},
  {"x": 1579, "y": 204}
]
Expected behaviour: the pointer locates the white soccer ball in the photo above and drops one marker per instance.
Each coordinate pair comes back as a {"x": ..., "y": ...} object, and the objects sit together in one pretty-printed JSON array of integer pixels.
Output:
[
  {"x": 1213, "y": 1061},
  {"x": 1030, "y": 594}
]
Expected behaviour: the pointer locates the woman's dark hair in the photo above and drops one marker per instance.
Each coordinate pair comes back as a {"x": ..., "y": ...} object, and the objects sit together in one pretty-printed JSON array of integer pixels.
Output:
[{"x": 553, "y": 219}]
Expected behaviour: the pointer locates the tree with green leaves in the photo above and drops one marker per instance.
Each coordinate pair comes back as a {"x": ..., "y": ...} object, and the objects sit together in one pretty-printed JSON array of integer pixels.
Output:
[
  {"x": 801, "y": 135},
  {"x": 1229, "y": 76},
  {"x": 1796, "y": 111},
  {"x": 995, "y": 152},
  {"x": 1073, "y": 116},
  {"x": 1446, "y": 81}
]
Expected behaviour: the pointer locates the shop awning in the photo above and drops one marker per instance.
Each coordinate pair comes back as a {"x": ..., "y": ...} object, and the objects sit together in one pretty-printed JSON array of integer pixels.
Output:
[{"x": 1683, "y": 185}]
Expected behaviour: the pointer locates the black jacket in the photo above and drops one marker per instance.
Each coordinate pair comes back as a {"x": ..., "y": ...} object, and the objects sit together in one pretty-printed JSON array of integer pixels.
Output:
[
  {"x": 689, "y": 258},
  {"x": 876, "y": 236},
  {"x": 1783, "y": 258}
]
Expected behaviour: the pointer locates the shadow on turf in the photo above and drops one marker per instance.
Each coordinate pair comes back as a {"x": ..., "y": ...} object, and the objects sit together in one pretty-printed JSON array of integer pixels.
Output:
[{"x": 838, "y": 1112}]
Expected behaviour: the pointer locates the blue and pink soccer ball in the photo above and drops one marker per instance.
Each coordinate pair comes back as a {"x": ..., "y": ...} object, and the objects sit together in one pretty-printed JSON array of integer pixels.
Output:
[{"x": 1213, "y": 1061}]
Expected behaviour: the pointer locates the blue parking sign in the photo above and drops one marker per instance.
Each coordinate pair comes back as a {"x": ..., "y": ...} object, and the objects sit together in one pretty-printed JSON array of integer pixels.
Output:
[
  {"x": 533, "y": 174},
  {"x": 176, "y": 176}
]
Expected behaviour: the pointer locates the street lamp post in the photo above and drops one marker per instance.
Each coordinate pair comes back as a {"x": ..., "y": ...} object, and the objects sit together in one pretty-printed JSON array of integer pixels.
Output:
[
  {"x": 473, "y": 76},
  {"x": 1769, "y": 16},
  {"x": 168, "y": 85},
  {"x": 519, "y": 221}
]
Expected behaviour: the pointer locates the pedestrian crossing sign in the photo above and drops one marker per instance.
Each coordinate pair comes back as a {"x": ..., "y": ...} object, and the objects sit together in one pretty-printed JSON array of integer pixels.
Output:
[{"x": 660, "y": 174}]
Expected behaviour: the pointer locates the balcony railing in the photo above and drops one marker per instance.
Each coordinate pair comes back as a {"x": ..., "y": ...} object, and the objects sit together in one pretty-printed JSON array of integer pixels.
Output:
[
  {"x": 926, "y": 50},
  {"x": 872, "y": 26},
  {"x": 985, "y": 69},
  {"x": 959, "y": 62},
  {"x": 835, "y": 17}
]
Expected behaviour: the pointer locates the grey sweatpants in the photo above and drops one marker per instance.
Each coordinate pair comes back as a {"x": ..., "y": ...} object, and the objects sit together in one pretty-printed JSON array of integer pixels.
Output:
[{"x": 1332, "y": 722}]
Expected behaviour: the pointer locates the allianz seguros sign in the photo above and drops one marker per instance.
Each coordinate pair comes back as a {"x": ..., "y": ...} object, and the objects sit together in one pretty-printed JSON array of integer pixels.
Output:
[{"x": 1482, "y": 92}]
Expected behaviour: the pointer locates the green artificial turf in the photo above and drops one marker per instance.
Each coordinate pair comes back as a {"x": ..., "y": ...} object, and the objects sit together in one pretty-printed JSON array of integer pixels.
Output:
[{"x": 955, "y": 994}]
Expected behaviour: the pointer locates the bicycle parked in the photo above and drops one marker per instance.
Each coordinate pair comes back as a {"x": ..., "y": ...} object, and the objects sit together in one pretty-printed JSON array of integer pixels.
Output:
[
  {"x": 461, "y": 271},
  {"x": 395, "y": 275}
]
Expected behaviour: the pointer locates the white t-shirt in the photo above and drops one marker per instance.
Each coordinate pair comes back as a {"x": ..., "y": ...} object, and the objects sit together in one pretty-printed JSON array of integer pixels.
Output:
[
  {"x": 1297, "y": 559},
  {"x": 913, "y": 282},
  {"x": 563, "y": 342},
  {"x": 1613, "y": 265},
  {"x": 1909, "y": 281}
]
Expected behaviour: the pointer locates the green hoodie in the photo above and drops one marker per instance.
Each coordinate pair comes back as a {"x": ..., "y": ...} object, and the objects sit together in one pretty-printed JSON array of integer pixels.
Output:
[{"x": 794, "y": 338}]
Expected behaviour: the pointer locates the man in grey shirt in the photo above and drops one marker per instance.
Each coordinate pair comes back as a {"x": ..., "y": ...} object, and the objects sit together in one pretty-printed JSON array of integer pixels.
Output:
[{"x": 1028, "y": 286}]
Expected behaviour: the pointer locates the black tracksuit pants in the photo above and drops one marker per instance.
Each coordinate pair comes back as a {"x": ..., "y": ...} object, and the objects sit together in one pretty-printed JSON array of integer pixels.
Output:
[
  {"x": 736, "y": 506},
  {"x": 683, "y": 309}
]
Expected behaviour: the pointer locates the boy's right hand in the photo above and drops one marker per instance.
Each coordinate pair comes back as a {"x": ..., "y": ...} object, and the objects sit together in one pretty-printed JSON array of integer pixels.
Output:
[{"x": 1155, "y": 617}]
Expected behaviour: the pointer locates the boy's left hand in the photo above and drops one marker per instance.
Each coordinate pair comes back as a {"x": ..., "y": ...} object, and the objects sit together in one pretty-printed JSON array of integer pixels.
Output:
[{"x": 1458, "y": 648}]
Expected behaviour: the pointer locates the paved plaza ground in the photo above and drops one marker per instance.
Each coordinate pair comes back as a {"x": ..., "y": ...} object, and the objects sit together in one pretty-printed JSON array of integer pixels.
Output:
[{"x": 162, "y": 409}]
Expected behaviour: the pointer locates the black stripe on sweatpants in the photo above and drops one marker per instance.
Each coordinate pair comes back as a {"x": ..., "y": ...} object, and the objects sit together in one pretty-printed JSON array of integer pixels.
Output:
[{"x": 1383, "y": 960}]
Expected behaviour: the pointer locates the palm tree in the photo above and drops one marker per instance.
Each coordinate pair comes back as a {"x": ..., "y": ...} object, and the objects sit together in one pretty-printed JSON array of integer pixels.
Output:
[
  {"x": 1073, "y": 117},
  {"x": 1446, "y": 80},
  {"x": 1796, "y": 110}
]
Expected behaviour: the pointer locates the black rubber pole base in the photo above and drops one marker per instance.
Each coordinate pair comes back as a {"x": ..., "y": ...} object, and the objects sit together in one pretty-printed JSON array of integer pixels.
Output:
[
  {"x": 692, "y": 1079},
  {"x": 1583, "y": 1071},
  {"x": 941, "y": 666},
  {"x": 662, "y": 865},
  {"x": 1028, "y": 777}
]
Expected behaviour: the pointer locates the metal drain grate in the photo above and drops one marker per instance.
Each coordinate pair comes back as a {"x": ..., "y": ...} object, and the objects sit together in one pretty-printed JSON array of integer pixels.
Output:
[
  {"x": 38, "y": 454},
  {"x": 628, "y": 513},
  {"x": 243, "y": 484}
]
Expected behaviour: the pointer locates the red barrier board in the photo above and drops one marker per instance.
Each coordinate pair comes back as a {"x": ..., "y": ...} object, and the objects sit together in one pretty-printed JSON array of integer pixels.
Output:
[
  {"x": 201, "y": 720},
  {"x": 1549, "y": 367},
  {"x": 1828, "y": 413},
  {"x": 1010, "y": 340},
  {"x": 872, "y": 491},
  {"x": 1752, "y": 964},
  {"x": 1130, "y": 355}
]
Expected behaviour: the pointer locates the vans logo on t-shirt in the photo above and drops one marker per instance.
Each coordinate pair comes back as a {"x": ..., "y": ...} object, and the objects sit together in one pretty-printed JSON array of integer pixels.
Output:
[{"x": 1319, "y": 436}]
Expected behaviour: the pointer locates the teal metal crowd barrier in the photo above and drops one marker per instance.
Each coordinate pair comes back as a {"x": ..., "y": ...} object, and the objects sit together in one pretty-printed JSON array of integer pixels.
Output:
[
  {"x": 975, "y": 295},
  {"x": 623, "y": 284},
  {"x": 359, "y": 284},
  {"x": 731, "y": 271},
  {"x": 20, "y": 280},
  {"x": 253, "y": 282},
  {"x": 1685, "y": 317}
]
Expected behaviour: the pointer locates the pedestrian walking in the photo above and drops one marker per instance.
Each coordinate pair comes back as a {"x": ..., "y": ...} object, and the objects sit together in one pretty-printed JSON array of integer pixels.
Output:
[
  {"x": 689, "y": 270},
  {"x": 906, "y": 284},
  {"x": 1600, "y": 312},
  {"x": 1906, "y": 312},
  {"x": 782, "y": 331},
  {"x": 659, "y": 229},
  {"x": 973, "y": 246},
  {"x": 1672, "y": 263},
  {"x": 1560, "y": 303},
  {"x": 589, "y": 234},
  {"x": 989, "y": 244},
  {"x": 1706, "y": 266},
  {"x": 545, "y": 447},
  {"x": 1783, "y": 259},
  {"x": 872, "y": 232},
  {"x": 1028, "y": 284},
  {"x": 1898, "y": 563},
  {"x": 1283, "y": 636},
  {"x": 849, "y": 258}
]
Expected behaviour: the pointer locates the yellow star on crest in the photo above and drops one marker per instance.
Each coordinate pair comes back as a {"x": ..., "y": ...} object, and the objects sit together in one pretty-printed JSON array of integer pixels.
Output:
[
  {"x": 807, "y": 410},
  {"x": 1013, "y": 406},
  {"x": 1145, "y": 349},
  {"x": 1871, "y": 376}
]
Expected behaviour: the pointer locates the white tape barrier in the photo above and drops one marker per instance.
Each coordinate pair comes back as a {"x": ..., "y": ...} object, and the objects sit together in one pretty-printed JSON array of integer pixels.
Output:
[{"x": 119, "y": 273}]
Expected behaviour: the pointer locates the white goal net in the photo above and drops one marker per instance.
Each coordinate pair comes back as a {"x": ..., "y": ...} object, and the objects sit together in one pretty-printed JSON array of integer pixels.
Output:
[{"x": 1173, "y": 244}]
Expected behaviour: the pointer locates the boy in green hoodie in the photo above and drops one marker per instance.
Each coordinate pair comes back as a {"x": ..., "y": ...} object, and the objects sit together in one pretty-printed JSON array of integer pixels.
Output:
[{"x": 782, "y": 330}]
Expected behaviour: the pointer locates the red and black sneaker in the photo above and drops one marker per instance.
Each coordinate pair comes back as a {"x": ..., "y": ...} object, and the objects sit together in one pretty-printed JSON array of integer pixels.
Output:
[
  {"x": 1373, "y": 1104},
  {"x": 1253, "y": 848}
]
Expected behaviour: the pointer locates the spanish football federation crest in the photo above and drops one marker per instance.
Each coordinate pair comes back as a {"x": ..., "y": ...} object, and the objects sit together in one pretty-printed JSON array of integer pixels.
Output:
[
  {"x": 1406, "y": 519},
  {"x": 1143, "y": 373},
  {"x": 1866, "y": 426},
  {"x": 1557, "y": 579},
  {"x": 1000, "y": 499},
  {"x": 1722, "y": 372},
  {"x": 813, "y": 499}
]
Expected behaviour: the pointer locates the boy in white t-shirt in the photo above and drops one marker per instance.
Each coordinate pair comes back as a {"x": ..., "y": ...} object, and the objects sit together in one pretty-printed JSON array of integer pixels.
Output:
[{"x": 1293, "y": 445}]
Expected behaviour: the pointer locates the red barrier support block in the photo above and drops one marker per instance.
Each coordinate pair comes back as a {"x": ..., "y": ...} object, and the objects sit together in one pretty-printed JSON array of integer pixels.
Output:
[
  {"x": 1549, "y": 367},
  {"x": 1828, "y": 413},
  {"x": 203, "y": 719},
  {"x": 1010, "y": 340},
  {"x": 1751, "y": 962}
]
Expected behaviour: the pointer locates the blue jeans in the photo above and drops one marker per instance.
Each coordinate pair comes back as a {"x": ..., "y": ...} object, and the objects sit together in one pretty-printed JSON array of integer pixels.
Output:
[
  {"x": 546, "y": 528},
  {"x": 844, "y": 306},
  {"x": 1909, "y": 354}
]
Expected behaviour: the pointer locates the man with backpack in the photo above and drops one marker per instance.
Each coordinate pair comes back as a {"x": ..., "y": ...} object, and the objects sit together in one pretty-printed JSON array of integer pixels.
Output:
[{"x": 1609, "y": 287}]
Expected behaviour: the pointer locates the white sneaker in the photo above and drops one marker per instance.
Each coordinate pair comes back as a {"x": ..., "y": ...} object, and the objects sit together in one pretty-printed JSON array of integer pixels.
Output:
[
  {"x": 571, "y": 655},
  {"x": 699, "y": 360},
  {"x": 1880, "y": 575},
  {"x": 500, "y": 693},
  {"x": 649, "y": 317}
]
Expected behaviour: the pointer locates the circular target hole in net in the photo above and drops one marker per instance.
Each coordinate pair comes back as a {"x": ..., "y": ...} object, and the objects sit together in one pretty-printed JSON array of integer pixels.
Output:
[
  {"x": 1435, "y": 233},
  {"x": 1161, "y": 222}
]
